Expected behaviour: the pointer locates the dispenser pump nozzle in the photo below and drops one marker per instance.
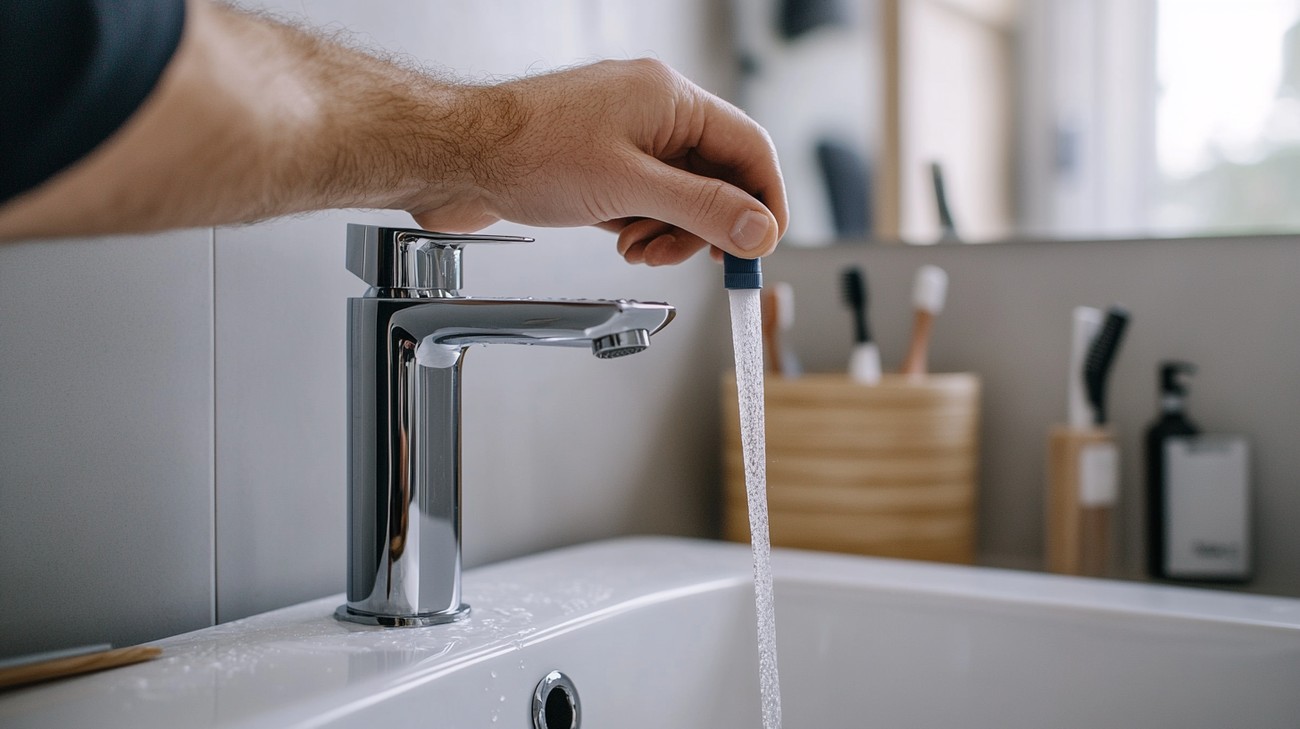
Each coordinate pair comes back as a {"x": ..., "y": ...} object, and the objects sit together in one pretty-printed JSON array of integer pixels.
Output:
[{"x": 741, "y": 273}]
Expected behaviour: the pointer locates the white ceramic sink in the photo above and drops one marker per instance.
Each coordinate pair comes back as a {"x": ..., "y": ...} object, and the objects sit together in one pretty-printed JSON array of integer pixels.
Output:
[{"x": 659, "y": 632}]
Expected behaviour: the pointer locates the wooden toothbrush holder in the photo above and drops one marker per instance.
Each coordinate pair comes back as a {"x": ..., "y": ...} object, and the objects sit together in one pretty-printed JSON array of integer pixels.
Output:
[
  {"x": 887, "y": 469},
  {"x": 1082, "y": 491}
]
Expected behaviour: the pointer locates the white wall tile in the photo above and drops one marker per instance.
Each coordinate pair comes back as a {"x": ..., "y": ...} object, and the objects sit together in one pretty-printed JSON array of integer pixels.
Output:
[{"x": 105, "y": 440}]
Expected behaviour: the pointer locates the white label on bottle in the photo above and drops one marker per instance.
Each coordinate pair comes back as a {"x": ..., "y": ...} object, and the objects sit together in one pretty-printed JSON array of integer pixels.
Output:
[
  {"x": 1098, "y": 475},
  {"x": 1207, "y": 521}
]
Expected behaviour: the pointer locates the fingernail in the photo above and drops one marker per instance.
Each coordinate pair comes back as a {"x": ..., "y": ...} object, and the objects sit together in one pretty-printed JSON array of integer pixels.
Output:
[{"x": 750, "y": 230}]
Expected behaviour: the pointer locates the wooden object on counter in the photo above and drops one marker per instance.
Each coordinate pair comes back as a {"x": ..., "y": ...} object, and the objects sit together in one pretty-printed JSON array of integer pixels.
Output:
[
  {"x": 887, "y": 470},
  {"x": 75, "y": 665},
  {"x": 771, "y": 317},
  {"x": 1082, "y": 473}
]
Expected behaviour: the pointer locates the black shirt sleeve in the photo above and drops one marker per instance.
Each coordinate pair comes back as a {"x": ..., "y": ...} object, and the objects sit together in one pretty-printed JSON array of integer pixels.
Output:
[{"x": 71, "y": 73}]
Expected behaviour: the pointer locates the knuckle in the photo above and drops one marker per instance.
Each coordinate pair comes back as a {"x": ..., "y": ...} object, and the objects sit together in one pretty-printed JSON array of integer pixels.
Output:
[
  {"x": 709, "y": 198},
  {"x": 654, "y": 73},
  {"x": 647, "y": 64}
]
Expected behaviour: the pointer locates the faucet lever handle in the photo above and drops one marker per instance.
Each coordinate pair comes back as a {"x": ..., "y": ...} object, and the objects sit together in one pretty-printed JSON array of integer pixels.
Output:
[{"x": 412, "y": 259}]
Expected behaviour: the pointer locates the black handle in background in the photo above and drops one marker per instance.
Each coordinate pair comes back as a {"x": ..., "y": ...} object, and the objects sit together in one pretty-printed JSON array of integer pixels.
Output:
[
  {"x": 853, "y": 283},
  {"x": 1101, "y": 356},
  {"x": 941, "y": 202}
]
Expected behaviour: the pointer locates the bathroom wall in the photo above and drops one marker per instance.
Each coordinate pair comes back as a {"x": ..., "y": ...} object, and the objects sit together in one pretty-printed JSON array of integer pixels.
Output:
[
  {"x": 105, "y": 439},
  {"x": 1229, "y": 305},
  {"x": 171, "y": 407}
]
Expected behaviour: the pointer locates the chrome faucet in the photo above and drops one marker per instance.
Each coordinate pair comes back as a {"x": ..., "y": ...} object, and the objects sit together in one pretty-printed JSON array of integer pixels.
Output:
[{"x": 406, "y": 343}]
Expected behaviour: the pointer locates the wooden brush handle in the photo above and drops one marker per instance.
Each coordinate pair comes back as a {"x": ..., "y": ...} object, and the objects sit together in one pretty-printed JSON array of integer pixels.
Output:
[
  {"x": 917, "y": 352},
  {"x": 75, "y": 665},
  {"x": 771, "y": 331}
]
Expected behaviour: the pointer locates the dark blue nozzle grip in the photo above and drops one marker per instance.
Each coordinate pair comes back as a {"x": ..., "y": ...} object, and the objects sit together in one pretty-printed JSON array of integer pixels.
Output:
[{"x": 741, "y": 273}]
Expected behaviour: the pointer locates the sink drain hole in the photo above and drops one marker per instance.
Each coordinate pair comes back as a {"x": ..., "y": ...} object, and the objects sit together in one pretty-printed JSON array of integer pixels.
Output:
[
  {"x": 559, "y": 709},
  {"x": 555, "y": 703}
]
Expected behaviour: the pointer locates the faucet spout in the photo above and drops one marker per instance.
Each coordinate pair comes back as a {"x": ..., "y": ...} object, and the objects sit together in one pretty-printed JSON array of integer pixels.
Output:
[
  {"x": 461, "y": 322},
  {"x": 404, "y": 437}
]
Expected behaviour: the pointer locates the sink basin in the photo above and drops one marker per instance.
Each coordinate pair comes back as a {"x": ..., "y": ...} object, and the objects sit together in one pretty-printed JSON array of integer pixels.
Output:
[{"x": 659, "y": 632}]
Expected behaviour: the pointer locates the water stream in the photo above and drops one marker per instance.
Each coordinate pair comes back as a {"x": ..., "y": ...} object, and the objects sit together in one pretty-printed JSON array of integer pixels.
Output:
[{"x": 747, "y": 339}]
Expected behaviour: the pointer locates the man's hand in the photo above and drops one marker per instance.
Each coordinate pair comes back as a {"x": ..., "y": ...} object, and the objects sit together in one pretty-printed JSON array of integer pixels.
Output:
[
  {"x": 631, "y": 146},
  {"x": 253, "y": 119}
]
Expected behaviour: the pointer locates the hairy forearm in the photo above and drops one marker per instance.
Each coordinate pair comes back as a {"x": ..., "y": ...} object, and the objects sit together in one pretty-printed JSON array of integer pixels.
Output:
[{"x": 254, "y": 119}]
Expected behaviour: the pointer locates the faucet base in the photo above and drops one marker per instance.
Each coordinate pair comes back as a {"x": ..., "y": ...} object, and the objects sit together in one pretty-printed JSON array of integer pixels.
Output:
[{"x": 348, "y": 615}]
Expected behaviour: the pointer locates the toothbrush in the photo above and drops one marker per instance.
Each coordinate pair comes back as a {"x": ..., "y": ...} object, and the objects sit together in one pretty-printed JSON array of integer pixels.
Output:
[
  {"x": 785, "y": 322},
  {"x": 864, "y": 362},
  {"x": 778, "y": 318},
  {"x": 1101, "y": 355},
  {"x": 948, "y": 227},
  {"x": 928, "y": 295},
  {"x": 1086, "y": 324}
]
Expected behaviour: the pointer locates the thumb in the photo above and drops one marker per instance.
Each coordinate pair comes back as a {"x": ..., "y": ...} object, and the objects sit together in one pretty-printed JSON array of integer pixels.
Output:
[{"x": 720, "y": 213}]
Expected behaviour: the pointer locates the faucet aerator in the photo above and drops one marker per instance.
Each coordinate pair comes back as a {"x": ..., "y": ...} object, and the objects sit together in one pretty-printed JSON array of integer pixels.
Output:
[{"x": 620, "y": 344}]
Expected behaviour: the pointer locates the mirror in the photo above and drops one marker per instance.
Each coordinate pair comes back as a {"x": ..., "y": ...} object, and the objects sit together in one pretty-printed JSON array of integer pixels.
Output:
[{"x": 987, "y": 120}]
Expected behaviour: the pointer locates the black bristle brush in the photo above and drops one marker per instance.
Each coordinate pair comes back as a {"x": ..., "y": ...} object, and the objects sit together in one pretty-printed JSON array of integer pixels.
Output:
[
  {"x": 864, "y": 361},
  {"x": 1101, "y": 355}
]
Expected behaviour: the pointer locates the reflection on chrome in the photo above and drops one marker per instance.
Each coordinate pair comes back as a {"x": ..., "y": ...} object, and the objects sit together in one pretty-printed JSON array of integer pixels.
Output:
[{"x": 406, "y": 342}]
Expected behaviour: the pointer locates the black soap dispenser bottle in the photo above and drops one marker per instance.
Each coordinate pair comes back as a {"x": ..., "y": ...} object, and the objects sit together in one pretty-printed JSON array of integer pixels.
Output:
[{"x": 1171, "y": 423}]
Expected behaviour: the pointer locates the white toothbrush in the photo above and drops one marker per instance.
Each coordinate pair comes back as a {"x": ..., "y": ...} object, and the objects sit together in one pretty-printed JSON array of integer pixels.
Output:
[
  {"x": 1087, "y": 322},
  {"x": 928, "y": 295}
]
